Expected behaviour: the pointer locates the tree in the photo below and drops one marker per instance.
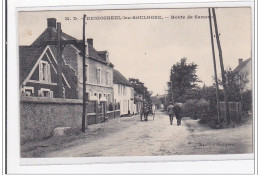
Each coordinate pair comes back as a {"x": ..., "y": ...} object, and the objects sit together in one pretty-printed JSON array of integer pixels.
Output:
[
  {"x": 140, "y": 88},
  {"x": 183, "y": 78},
  {"x": 236, "y": 83}
]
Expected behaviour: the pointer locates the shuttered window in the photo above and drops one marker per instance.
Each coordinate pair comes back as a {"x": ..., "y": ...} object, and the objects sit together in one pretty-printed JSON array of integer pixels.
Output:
[
  {"x": 98, "y": 75},
  {"x": 44, "y": 71}
]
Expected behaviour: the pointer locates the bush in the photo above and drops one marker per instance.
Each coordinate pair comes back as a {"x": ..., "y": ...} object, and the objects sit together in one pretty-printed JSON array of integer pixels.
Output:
[
  {"x": 195, "y": 108},
  {"x": 211, "y": 120},
  {"x": 247, "y": 100}
]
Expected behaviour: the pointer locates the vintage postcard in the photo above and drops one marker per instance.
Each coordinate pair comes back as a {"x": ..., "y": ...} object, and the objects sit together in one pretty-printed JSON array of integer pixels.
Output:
[{"x": 136, "y": 82}]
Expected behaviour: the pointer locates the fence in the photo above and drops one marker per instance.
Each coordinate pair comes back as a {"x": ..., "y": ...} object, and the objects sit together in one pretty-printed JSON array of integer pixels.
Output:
[
  {"x": 234, "y": 110},
  {"x": 194, "y": 108},
  {"x": 40, "y": 116}
]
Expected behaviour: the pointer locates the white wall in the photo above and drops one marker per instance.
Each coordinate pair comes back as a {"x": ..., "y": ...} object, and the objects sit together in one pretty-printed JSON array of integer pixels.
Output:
[
  {"x": 248, "y": 68},
  {"x": 125, "y": 99}
]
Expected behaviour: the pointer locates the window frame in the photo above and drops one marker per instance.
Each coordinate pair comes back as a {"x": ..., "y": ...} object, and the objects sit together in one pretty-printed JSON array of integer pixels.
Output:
[
  {"x": 48, "y": 71},
  {"x": 98, "y": 74},
  {"x": 45, "y": 89},
  {"x": 87, "y": 72},
  {"x": 28, "y": 88}
]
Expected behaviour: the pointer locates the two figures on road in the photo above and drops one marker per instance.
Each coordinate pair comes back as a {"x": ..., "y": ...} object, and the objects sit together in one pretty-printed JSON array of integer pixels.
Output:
[{"x": 174, "y": 110}]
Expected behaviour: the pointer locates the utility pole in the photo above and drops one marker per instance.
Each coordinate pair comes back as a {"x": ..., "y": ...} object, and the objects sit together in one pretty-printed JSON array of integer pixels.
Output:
[
  {"x": 214, "y": 62},
  {"x": 60, "y": 45},
  {"x": 84, "y": 77},
  {"x": 226, "y": 95},
  {"x": 59, "y": 60}
]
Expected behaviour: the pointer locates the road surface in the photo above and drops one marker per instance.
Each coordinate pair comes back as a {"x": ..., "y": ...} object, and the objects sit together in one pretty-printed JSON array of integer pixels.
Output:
[
  {"x": 128, "y": 136},
  {"x": 146, "y": 138}
]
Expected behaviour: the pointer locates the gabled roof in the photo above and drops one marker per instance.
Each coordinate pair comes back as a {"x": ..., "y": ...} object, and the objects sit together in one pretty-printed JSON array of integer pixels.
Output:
[
  {"x": 118, "y": 78},
  {"x": 28, "y": 56},
  {"x": 50, "y": 34},
  {"x": 241, "y": 65}
]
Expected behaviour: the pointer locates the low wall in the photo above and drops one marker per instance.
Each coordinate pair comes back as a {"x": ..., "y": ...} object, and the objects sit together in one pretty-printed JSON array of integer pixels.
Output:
[
  {"x": 40, "y": 116},
  {"x": 110, "y": 114}
]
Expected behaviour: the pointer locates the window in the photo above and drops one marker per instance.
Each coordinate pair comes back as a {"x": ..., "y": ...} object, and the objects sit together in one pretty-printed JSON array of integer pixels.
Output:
[
  {"x": 119, "y": 88},
  {"x": 98, "y": 75},
  {"x": 95, "y": 94},
  {"x": 44, "y": 71},
  {"x": 28, "y": 91},
  {"x": 45, "y": 93},
  {"x": 124, "y": 90},
  {"x": 87, "y": 73},
  {"x": 100, "y": 95},
  {"x": 107, "y": 74},
  {"x": 108, "y": 78}
]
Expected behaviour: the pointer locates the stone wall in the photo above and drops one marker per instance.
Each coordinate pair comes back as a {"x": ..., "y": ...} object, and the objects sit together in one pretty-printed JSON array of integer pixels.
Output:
[{"x": 40, "y": 116}]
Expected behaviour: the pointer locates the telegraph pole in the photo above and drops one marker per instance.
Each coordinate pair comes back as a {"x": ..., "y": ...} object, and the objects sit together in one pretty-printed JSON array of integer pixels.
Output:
[
  {"x": 214, "y": 62},
  {"x": 59, "y": 60},
  {"x": 226, "y": 96},
  {"x": 84, "y": 77}
]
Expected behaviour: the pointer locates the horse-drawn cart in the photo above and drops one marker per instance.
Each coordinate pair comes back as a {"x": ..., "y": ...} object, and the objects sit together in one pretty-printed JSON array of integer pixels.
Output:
[{"x": 146, "y": 110}]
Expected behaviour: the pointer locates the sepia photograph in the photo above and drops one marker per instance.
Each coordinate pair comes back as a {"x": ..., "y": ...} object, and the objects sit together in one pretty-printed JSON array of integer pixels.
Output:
[{"x": 135, "y": 82}]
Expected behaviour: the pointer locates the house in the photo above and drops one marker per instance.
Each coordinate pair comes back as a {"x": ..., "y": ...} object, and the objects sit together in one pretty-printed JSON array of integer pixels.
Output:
[
  {"x": 245, "y": 67},
  {"x": 99, "y": 70},
  {"x": 123, "y": 93},
  {"x": 38, "y": 74}
]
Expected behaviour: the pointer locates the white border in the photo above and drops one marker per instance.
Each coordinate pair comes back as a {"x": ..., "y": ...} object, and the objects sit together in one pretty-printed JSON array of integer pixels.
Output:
[{"x": 244, "y": 167}]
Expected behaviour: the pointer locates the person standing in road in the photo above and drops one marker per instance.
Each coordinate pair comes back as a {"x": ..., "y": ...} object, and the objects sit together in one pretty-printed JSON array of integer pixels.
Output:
[
  {"x": 170, "y": 112},
  {"x": 153, "y": 110},
  {"x": 177, "y": 112}
]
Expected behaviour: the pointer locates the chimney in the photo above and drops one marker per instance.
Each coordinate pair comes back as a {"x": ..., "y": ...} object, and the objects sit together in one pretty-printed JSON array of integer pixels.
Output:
[
  {"x": 51, "y": 22},
  {"x": 240, "y": 60},
  {"x": 90, "y": 41}
]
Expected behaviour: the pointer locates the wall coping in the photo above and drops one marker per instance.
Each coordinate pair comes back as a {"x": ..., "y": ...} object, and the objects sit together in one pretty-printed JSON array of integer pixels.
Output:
[{"x": 26, "y": 99}]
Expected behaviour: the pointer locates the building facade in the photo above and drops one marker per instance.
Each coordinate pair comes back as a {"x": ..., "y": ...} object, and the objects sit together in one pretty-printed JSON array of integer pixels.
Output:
[
  {"x": 38, "y": 74},
  {"x": 123, "y": 94},
  {"x": 99, "y": 71}
]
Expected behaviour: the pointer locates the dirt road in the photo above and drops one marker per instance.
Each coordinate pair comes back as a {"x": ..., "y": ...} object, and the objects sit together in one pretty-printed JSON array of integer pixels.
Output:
[
  {"x": 146, "y": 138},
  {"x": 158, "y": 137}
]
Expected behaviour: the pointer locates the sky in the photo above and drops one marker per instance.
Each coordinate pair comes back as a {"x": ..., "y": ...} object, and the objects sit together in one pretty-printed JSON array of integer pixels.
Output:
[{"x": 147, "y": 48}]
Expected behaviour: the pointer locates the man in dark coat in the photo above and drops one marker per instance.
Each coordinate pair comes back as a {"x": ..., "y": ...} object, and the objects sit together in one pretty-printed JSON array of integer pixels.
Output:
[
  {"x": 170, "y": 112},
  {"x": 177, "y": 112}
]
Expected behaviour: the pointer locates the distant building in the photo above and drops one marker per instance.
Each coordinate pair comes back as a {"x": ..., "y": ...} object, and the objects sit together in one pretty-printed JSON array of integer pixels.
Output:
[
  {"x": 156, "y": 101},
  {"x": 99, "y": 70},
  {"x": 123, "y": 93},
  {"x": 245, "y": 66}
]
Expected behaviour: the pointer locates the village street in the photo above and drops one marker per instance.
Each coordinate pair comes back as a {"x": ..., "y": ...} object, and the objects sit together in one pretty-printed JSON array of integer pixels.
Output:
[{"x": 128, "y": 136}]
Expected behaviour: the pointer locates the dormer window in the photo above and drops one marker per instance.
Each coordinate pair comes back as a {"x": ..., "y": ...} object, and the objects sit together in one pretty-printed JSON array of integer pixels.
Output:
[
  {"x": 107, "y": 57},
  {"x": 44, "y": 71}
]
